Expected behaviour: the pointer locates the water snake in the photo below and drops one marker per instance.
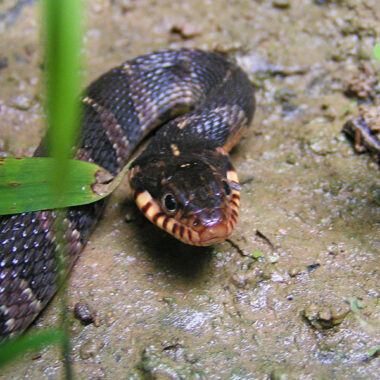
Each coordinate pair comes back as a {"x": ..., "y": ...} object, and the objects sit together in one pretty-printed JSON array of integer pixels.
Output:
[{"x": 183, "y": 181}]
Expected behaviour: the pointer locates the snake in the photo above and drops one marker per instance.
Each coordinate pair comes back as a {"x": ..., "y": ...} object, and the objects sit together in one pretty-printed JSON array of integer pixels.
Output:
[{"x": 191, "y": 106}]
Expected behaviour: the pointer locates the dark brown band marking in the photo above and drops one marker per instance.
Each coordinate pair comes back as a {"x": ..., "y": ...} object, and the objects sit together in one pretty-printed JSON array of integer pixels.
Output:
[
  {"x": 175, "y": 228},
  {"x": 157, "y": 216},
  {"x": 236, "y": 205},
  {"x": 146, "y": 207},
  {"x": 165, "y": 222}
]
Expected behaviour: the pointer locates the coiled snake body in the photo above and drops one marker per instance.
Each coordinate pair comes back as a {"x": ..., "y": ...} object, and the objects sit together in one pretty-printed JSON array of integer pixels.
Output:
[{"x": 183, "y": 181}]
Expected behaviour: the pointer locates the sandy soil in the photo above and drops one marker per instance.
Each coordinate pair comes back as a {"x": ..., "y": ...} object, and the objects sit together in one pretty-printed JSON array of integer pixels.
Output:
[{"x": 294, "y": 294}]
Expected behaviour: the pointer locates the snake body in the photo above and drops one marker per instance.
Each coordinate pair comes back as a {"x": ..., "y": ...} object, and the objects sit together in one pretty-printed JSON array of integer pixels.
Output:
[{"x": 183, "y": 181}]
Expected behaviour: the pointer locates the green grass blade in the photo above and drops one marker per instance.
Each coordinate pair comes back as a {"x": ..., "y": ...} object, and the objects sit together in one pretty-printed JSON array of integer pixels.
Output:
[
  {"x": 62, "y": 48},
  {"x": 63, "y": 41},
  {"x": 26, "y": 185},
  {"x": 27, "y": 343}
]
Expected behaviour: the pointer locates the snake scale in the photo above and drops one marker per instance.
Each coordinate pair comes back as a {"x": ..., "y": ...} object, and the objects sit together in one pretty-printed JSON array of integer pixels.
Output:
[{"x": 183, "y": 181}]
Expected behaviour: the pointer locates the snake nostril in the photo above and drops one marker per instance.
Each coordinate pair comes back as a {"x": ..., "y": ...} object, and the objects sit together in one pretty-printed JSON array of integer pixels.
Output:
[
  {"x": 216, "y": 216},
  {"x": 210, "y": 218}
]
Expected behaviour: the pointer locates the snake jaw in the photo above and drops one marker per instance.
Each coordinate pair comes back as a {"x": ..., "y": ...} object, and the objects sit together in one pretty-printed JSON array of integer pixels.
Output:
[{"x": 214, "y": 234}]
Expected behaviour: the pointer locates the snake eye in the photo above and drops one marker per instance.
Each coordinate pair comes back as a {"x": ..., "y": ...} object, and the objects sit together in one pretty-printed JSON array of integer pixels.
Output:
[
  {"x": 226, "y": 187},
  {"x": 169, "y": 203}
]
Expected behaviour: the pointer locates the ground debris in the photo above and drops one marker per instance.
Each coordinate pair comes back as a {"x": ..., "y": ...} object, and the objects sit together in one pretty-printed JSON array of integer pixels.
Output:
[
  {"x": 155, "y": 364},
  {"x": 365, "y": 129},
  {"x": 83, "y": 312},
  {"x": 363, "y": 84},
  {"x": 185, "y": 30},
  {"x": 324, "y": 316}
]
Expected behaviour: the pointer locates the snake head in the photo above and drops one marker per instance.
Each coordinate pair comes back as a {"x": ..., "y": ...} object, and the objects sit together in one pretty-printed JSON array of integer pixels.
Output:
[{"x": 193, "y": 196}]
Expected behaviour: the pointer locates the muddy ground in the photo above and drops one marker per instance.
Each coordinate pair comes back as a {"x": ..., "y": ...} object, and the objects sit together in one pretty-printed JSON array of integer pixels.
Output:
[{"x": 294, "y": 294}]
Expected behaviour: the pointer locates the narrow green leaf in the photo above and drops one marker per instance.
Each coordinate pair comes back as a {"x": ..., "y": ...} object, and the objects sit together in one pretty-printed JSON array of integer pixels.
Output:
[
  {"x": 11, "y": 349},
  {"x": 25, "y": 184}
]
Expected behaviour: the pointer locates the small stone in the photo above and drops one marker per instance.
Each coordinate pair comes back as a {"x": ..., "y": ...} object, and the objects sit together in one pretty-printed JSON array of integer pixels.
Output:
[
  {"x": 291, "y": 159},
  {"x": 281, "y": 4},
  {"x": 126, "y": 5},
  {"x": 110, "y": 319},
  {"x": 185, "y": 30},
  {"x": 239, "y": 280},
  {"x": 312, "y": 267},
  {"x": 273, "y": 259},
  {"x": 96, "y": 320},
  {"x": 362, "y": 85},
  {"x": 326, "y": 316},
  {"x": 22, "y": 102},
  {"x": 294, "y": 271},
  {"x": 277, "y": 277},
  {"x": 83, "y": 312},
  {"x": 90, "y": 348},
  {"x": 130, "y": 215},
  {"x": 323, "y": 146}
]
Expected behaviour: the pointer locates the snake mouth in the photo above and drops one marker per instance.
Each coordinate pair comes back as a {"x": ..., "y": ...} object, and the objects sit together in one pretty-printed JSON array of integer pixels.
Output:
[{"x": 214, "y": 234}]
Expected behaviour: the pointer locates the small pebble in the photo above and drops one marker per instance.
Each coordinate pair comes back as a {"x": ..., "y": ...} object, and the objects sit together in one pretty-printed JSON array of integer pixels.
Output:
[
  {"x": 312, "y": 267},
  {"x": 110, "y": 319},
  {"x": 96, "y": 321},
  {"x": 22, "y": 102},
  {"x": 239, "y": 280},
  {"x": 83, "y": 312},
  {"x": 130, "y": 215},
  {"x": 294, "y": 271},
  {"x": 324, "y": 316},
  {"x": 282, "y": 4},
  {"x": 185, "y": 30},
  {"x": 291, "y": 159}
]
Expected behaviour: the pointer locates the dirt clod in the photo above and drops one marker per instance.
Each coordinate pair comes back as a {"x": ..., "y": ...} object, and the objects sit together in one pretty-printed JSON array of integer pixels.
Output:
[
  {"x": 323, "y": 316},
  {"x": 83, "y": 312}
]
